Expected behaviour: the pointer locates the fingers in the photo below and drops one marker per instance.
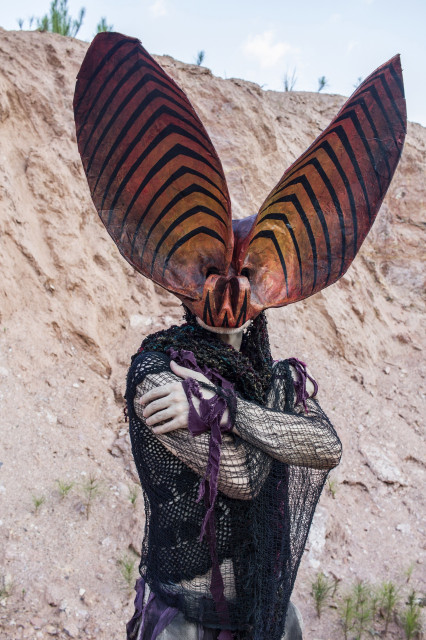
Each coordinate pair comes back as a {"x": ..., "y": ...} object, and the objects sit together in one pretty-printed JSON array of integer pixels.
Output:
[
  {"x": 160, "y": 392},
  {"x": 157, "y": 405},
  {"x": 165, "y": 404},
  {"x": 180, "y": 371},
  {"x": 177, "y": 423},
  {"x": 167, "y": 414},
  {"x": 183, "y": 372}
]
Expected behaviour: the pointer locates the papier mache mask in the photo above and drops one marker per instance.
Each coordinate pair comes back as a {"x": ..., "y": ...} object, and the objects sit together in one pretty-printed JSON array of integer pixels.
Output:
[{"x": 159, "y": 187}]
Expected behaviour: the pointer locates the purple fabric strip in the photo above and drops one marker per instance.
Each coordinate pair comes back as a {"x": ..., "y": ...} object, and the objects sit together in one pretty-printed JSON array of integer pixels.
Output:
[
  {"x": 131, "y": 625},
  {"x": 154, "y": 614},
  {"x": 208, "y": 418},
  {"x": 165, "y": 617},
  {"x": 300, "y": 384},
  {"x": 187, "y": 359},
  {"x": 146, "y": 609}
]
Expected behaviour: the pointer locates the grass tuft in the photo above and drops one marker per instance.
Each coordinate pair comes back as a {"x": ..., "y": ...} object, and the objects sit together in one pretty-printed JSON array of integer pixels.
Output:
[
  {"x": 409, "y": 572},
  {"x": 91, "y": 488},
  {"x": 127, "y": 569},
  {"x": 367, "y": 610},
  {"x": 347, "y": 614},
  {"x": 388, "y": 600},
  {"x": 38, "y": 501},
  {"x": 363, "y": 614},
  {"x": 322, "y": 590},
  {"x": 133, "y": 494},
  {"x": 332, "y": 487},
  {"x": 410, "y": 618},
  {"x": 64, "y": 488},
  {"x": 6, "y": 586}
]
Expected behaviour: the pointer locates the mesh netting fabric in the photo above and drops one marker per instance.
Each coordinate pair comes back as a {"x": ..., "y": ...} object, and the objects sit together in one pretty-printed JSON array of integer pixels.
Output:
[{"x": 272, "y": 470}]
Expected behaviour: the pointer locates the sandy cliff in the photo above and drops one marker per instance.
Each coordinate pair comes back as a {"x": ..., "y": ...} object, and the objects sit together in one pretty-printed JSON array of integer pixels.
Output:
[{"x": 72, "y": 311}]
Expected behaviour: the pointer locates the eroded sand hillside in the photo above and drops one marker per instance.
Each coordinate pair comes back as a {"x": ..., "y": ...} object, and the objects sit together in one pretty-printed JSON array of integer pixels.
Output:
[{"x": 73, "y": 311}]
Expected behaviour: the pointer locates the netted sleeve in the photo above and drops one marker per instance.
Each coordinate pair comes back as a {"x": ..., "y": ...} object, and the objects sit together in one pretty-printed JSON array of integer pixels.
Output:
[
  {"x": 288, "y": 432},
  {"x": 243, "y": 467}
]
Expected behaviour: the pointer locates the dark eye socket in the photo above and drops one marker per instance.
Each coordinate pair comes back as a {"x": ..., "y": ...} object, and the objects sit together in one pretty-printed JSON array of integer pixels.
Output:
[
  {"x": 212, "y": 271},
  {"x": 246, "y": 273}
]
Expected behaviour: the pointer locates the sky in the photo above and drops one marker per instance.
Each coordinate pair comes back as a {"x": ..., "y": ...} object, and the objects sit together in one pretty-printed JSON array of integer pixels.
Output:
[{"x": 265, "y": 40}]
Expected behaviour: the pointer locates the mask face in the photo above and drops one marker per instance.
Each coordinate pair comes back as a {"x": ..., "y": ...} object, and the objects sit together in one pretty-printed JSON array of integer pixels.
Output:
[
  {"x": 159, "y": 188},
  {"x": 225, "y": 301}
]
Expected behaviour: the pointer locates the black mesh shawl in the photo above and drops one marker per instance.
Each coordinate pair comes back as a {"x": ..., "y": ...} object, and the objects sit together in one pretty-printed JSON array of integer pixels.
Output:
[{"x": 270, "y": 478}]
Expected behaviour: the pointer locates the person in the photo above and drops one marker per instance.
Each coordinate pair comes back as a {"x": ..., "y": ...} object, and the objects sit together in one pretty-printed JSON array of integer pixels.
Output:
[
  {"x": 231, "y": 446},
  {"x": 275, "y": 433}
]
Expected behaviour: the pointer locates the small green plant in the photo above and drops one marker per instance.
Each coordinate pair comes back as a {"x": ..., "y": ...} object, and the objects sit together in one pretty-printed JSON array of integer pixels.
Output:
[
  {"x": 38, "y": 501},
  {"x": 409, "y": 572},
  {"x": 322, "y": 83},
  {"x": 59, "y": 21},
  {"x": 289, "y": 81},
  {"x": 133, "y": 494},
  {"x": 374, "y": 603},
  {"x": 410, "y": 617},
  {"x": 388, "y": 600},
  {"x": 64, "y": 488},
  {"x": 30, "y": 22},
  {"x": 200, "y": 58},
  {"x": 358, "y": 82},
  {"x": 362, "y": 608},
  {"x": 6, "y": 586},
  {"x": 322, "y": 590},
  {"x": 332, "y": 487},
  {"x": 347, "y": 614},
  {"x": 103, "y": 26},
  {"x": 91, "y": 488},
  {"x": 127, "y": 569},
  {"x": 366, "y": 608}
]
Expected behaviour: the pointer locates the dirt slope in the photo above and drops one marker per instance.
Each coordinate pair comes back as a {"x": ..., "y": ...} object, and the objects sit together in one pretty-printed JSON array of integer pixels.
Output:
[{"x": 72, "y": 312}]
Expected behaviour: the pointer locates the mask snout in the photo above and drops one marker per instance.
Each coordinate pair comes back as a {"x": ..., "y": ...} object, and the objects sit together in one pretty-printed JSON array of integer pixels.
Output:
[{"x": 226, "y": 301}]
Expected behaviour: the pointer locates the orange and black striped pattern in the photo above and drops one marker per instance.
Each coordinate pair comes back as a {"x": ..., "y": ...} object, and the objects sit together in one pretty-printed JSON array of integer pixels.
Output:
[
  {"x": 154, "y": 175},
  {"x": 158, "y": 186},
  {"x": 312, "y": 224}
]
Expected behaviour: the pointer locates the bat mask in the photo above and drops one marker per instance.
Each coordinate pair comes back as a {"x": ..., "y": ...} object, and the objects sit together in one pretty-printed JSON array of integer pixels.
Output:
[{"x": 159, "y": 187}]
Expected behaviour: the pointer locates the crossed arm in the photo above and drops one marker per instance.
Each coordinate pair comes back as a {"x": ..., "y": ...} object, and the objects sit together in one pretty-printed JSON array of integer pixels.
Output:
[
  {"x": 243, "y": 467},
  {"x": 259, "y": 434}
]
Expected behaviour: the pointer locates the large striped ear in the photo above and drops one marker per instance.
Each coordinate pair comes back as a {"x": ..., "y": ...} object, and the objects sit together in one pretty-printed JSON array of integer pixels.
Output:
[
  {"x": 312, "y": 224},
  {"x": 155, "y": 178}
]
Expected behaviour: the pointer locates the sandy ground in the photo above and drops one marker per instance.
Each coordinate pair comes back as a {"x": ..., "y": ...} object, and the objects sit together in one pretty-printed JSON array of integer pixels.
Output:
[{"x": 72, "y": 312}]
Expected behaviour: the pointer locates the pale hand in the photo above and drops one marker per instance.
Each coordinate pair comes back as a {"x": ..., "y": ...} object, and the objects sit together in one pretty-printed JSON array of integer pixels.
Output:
[{"x": 168, "y": 403}]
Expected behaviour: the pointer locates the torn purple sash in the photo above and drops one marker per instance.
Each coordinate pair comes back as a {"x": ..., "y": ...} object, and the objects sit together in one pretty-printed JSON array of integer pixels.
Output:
[
  {"x": 154, "y": 614},
  {"x": 300, "y": 384},
  {"x": 209, "y": 417}
]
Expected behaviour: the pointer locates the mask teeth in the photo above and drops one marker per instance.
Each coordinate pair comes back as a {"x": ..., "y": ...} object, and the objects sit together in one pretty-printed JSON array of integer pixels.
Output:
[{"x": 223, "y": 329}]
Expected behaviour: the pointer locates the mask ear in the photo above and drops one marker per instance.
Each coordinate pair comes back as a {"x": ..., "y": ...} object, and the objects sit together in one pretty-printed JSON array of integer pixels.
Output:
[
  {"x": 311, "y": 226},
  {"x": 155, "y": 178}
]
